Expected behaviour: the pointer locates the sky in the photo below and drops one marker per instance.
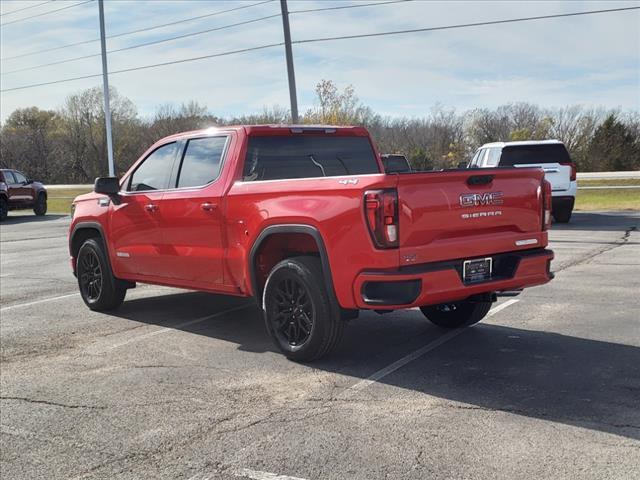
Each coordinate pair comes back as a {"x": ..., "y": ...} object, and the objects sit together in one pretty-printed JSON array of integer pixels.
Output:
[{"x": 591, "y": 60}]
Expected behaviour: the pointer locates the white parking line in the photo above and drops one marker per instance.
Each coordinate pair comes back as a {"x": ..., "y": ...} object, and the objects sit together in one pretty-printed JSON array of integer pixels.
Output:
[
  {"x": 362, "y": 384},
  {"x": 173, "y": 328},
  {"x": 258, "y": 475},
  {"x": 35, "y": 302}
]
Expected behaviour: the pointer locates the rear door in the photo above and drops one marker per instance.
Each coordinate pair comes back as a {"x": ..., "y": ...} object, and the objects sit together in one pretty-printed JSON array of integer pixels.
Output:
[
  {"x": 468, "y": 213},
  {"x": 192, "y": 220},
  {"x": 552, "y": 158}
]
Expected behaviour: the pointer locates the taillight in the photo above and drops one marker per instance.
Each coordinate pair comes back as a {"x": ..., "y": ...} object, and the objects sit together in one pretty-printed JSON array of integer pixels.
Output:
[
  {"x": 574, "y": 170},
  {"x": 381, "y": 210},
  {"x": 546, "y": 205}
]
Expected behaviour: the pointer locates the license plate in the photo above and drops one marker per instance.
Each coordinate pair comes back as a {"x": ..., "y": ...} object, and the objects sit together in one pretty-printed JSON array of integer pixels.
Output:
[{"x": 477, "y": 270}]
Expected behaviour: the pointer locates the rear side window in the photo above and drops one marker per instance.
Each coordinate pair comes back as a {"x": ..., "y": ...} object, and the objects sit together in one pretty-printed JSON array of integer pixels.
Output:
[
  {"x": 395, "y": 164},
  {"x": 493, "y": 157},
  {"x": 527, "y": 154},
  {"x": 307, "y": 156},
  {"x": 201, "y": 161},
  {"x": 154, "y": 172}
]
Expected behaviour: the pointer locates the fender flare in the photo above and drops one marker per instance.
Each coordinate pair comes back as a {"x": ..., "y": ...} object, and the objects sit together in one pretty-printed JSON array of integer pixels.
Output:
[
  {"x": 93, "y": 226},
  {"x": 290, "y": 228},
  {"x": 86, "y": 226}
]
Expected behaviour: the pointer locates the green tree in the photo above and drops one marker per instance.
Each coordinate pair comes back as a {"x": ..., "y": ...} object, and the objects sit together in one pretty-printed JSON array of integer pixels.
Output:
[
  {"x": 28, "y": 142},
  {"x": 613, "y": 147}
]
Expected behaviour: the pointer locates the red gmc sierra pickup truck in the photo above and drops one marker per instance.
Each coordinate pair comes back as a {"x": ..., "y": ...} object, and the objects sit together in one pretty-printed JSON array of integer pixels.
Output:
[{"x": 305, "y": 220}]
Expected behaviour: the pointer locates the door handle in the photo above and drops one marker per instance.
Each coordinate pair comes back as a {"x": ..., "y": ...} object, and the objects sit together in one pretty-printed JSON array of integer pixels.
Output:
[
  {"x": 151, "y": 207},
  {"x": 208, "y": 207}
]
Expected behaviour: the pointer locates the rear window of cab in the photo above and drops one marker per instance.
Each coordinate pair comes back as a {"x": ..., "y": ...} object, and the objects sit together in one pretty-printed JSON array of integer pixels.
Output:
[
  {"x": 308, "y": 156},
  {"x": 530, "y": 154}
]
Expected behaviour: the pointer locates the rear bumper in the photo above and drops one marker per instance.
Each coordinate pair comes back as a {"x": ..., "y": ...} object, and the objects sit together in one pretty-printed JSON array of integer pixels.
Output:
[
  {"x": 570, "y": 192},
  {"x": 440, "y": 282}
]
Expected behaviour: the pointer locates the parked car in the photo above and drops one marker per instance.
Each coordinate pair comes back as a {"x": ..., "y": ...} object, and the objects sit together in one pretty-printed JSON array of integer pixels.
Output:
[
  {"x": 550, "y": 155},
  {"x": 304, "y": 220},
  {"x": 395, "y": 163},
  {"x": 19, "y": 192}
]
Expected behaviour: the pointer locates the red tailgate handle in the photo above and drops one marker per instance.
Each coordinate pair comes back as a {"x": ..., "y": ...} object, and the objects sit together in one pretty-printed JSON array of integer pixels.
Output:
[{"x": 208, "y": 207}]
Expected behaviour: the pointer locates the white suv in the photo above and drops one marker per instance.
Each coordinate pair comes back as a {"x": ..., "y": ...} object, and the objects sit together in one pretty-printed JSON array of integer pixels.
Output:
[{"x": 550, "y": 155}]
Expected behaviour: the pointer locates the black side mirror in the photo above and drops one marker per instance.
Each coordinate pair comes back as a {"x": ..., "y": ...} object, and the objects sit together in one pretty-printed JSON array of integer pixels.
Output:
[
  {"x": 107, "y": 185},
  {"x": 28, "y": 181},
  {"x": 462, "y": 164}
]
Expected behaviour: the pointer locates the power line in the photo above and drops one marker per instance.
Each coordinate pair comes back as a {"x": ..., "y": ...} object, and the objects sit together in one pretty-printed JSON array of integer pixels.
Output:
[
  {"x": 463, "y": 25},
  {"x": 146, "y": 44},
  {"x": 144, "y": 67},
  {"x": 45, "y": 13},
  {"x": 349, "y": 6},
  {"x": 24, "y": 8},
  {"x": 262, "y": 47},
  {"x": 146, "y": 29}
]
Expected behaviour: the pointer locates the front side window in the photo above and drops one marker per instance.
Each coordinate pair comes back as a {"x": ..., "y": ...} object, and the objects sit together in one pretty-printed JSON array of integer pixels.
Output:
[
  {"x": 308, "y": 156},
  {"x": 476, "y": 158},
  {"x": 154, "y": 172},
  {"x": 20, "y": 178},
  {"x": 201, "y": 161}
]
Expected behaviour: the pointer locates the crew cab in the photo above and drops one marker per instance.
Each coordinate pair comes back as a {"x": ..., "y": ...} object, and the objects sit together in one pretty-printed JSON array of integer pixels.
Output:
[
  {"x": 19, "y": 192},
  {"x": 305, "y": 220},
  {"x": 550, "y": 155}
]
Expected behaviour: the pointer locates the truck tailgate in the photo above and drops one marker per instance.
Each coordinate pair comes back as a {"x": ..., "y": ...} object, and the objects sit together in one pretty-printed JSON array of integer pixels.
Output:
[
  {"x": 469, "y": 213},
  {"x": 558, "y": 175}
]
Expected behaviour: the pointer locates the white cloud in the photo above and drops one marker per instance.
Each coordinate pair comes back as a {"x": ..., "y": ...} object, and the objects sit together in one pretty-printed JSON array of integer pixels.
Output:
[{"x": 591, "y": 60}]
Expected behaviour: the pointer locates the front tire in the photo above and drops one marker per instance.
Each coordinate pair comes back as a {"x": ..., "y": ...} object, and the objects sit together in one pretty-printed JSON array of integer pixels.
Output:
[
  {"x": 99, "y": 289},
  {"x": 301, "y": 316},
  {"x": 4, "y": 209},
  {"x": 456, "y": 314},
  {"x": 40, "y": 207}
]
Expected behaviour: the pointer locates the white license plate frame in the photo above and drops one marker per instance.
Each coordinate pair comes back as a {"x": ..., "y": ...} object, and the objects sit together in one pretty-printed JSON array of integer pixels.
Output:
[{"x": 477, "y": 270}]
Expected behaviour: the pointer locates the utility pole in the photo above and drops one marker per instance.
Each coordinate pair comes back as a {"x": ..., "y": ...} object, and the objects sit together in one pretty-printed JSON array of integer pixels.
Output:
[
  {"x": 289, "y": 53},
  {"x": 105, "y": 91}
]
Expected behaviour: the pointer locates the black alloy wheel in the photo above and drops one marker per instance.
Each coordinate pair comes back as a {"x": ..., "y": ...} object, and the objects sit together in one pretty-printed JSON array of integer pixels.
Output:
[
  {"x": 90, "y": 276},
  {"x": 99, "y": 289},
  {"x": 301, "y": 315},
  {"x": 293, "y": 314}
]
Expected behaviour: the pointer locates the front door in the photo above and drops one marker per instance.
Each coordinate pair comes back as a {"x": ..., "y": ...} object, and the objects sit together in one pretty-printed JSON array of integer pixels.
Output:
[
  {"x": 19, "y": 191},
  {"x": 192, "y": 218},
  {"x": 136, "y": 217}
]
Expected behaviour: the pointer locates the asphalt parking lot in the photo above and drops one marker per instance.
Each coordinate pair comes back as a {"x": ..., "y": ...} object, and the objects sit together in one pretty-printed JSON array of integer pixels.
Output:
[{"x": 187, "y": 385}]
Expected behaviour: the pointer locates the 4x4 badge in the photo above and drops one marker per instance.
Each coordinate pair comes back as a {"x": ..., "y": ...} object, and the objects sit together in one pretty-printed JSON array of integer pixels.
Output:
[{"x": 349, "y": 181}]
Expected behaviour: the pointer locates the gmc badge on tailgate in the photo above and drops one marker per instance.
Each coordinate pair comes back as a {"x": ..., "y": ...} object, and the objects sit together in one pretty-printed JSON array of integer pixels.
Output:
[{"x": 478, "y": 199}]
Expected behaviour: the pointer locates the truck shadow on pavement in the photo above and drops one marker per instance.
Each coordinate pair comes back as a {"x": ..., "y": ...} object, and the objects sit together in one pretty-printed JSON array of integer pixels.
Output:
[{"x": 574, "y": 381}]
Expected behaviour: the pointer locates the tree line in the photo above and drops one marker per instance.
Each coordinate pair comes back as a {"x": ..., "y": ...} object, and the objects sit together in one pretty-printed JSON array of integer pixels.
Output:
[{"x": 68, "y": 145}]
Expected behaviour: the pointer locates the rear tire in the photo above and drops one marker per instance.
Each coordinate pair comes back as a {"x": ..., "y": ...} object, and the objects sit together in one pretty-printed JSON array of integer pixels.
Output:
[
  {"x": 4, "y": 209},
  {"x": 456, "y": 314},
  {"x": 563, "y": 214},
  {"x": 40, "y": 207},
  {"x": 301, "y": 316},
  {"x": 99, "y": 289}
]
